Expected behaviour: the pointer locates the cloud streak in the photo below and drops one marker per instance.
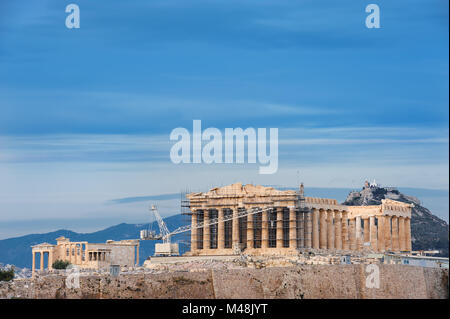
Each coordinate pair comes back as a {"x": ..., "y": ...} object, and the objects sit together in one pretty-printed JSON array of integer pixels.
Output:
[{"x": 387, "y": 142}]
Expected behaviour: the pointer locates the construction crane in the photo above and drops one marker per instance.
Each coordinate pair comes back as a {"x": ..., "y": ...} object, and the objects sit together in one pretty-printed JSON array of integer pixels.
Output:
[{"x": 166, "y": 248}]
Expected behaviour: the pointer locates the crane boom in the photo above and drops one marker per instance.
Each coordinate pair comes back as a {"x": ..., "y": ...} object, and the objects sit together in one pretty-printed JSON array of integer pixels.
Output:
[
  {"x": 161, "y": 249},
  {"x": 164, "y": 231}
]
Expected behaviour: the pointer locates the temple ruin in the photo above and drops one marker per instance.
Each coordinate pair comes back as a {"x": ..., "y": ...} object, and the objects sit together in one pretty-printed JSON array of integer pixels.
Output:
[
  {"x": 87, "y": 255},
  {"x": 285, "y": 221}
]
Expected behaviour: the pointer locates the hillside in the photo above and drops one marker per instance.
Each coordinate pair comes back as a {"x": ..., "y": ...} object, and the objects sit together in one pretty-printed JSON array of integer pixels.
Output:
[
  {"x": 428, "y": 232},
  {"x": 17, "y": 251}
]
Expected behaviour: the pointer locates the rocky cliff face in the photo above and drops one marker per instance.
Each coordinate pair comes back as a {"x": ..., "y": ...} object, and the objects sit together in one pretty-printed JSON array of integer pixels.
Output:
[
  {"x": 428, "y": 232},
  {"x": 296, "y": 282}
]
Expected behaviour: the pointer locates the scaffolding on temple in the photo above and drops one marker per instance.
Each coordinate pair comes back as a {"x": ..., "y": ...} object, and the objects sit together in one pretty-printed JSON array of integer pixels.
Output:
[{"x": 278, "y": 225}]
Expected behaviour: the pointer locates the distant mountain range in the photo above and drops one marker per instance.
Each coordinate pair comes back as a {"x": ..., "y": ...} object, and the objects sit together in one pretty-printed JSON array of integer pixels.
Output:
[{"x": 428, "y": 231}]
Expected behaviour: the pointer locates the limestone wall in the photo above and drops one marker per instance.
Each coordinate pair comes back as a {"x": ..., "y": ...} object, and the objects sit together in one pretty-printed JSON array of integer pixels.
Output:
[
  {"x": 123, "y": 255},
  {"x": 305, "y": 281}
]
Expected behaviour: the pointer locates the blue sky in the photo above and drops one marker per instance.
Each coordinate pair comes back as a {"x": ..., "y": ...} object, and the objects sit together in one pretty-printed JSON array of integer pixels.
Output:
[{"x": 85, "y": 115}]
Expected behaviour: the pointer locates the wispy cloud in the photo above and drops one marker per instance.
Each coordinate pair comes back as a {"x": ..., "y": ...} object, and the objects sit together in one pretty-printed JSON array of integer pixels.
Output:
[
  {"x": 301, "y": 144},
  {"x": 84, "y": 148},
  {"x": 145, "y": 198},
  {"x": 337, "y": 141},
  {"x": 63, "y": 111}
]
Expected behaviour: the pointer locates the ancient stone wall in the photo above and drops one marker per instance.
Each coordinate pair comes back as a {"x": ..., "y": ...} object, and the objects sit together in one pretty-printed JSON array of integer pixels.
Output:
[
  {"x": 305, "y": 281},
  {"x": 123, "y": 255}
]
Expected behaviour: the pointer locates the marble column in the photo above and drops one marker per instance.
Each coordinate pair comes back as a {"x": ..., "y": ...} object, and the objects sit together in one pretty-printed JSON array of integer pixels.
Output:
[
  {"x": 33, "y": 266},
  {"x": 381, "y": 234},
  {"x": 235, "y": 230},
  {"x": 323, "y": 229},
  {"x": 395, "y": 242},
  {"x": 42, "y": 261},
  {"x": 206, "y": 230},
  {"x": 345, "y": 235},
  {"x": 352, "y": 233},
  {"x": 301, "y": 229},
  {"x": 86, "y": 257},
  {"x": 366, "y": 230},
  {"x": 194, "y": 245},
  {"x": 330, "y": 229},
  {"x": 77, "y": 257},
  {"x": 373, "y": 234},
  {"x": 279, "y": 236},
  {"x": 338, "y": 230},
  {"x": 358, "y": 233},
  {"x": 265, "y": 229},
  {"x": 387, "y": 231},
  {"x": 308, "y": 230},
  {"x": 408, "y": 234},
  {"x": 292, "y": 228},
  {"x": 137, "y": 254},
  {"x": 315, "y": 228},
  {"x": 250, "y": 231},
  {"x": 50, "y": 259},
  {"x": 401, "y": 233},
  {"x": 221, "y": 229}
]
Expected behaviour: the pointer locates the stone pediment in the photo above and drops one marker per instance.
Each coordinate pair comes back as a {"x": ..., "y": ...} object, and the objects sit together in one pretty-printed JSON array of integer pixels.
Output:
[
  {"x": 43, "y": 245},
  {"x": 388, "y": 201}
]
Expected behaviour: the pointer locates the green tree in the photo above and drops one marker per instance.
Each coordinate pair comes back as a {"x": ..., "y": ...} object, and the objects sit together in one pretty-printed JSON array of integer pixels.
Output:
[
  {"x": 6, "y": 275},
  {"x": 60, "y": 264}
]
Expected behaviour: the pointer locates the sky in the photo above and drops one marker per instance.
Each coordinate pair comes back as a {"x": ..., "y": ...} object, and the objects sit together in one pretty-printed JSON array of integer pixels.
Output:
[{"x": 86, "y": 114}]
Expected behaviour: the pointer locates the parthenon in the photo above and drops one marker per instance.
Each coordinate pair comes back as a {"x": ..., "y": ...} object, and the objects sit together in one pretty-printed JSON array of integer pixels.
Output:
[
  {"x": 87, "y": 255},
  {"x": 286, "y": 221}
]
